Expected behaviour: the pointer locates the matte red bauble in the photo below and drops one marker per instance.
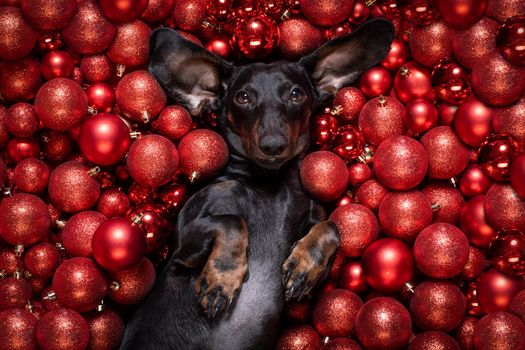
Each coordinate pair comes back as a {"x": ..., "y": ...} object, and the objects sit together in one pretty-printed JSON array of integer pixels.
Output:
[
  {"x": 151, "y": 218},
  {"x": 106, "y": 330},
  {"x": 387, "y": 265},
  {"x": 419, "y": 12},
  {"x": 122, "y": 10},
  {"x": 89, "y": 32},
  {"x": 511, "y": 38},
  {"x": 375, "y": 81},
  {"x": 174, "y": 122},
  {"x": 433, "y": 340},
  {"x": 446, "y": 200},
  {"x": 350, "y": 100},
  {"x": 384, "y": 324},
  {"x": 370, "y": 194},
  {"x": 18, "y": 37},
  {"x": 437, "y": 305},
  {"x": 472, "y": 44},
  {"x": 62, "y": 329},
  {"x": 430, "y": 44},
  {"x": 139, "y": 96},
  {"x": 473, "y": 122},
  {"x": 499, "y": 330},
  {"x": 255, "y": 37},
  {"x": 118, "y": 244},
  {"x": 326, "y": 13},
  {"x": 42, "y": 260},
  {"x": 400, "y": 163},
  {"x": 113, "y": 202},
  {"x": 517, "y": 174},
  {"x": 19, "y": 149},
  {"x": 96, "y": 68},
  {"x": 352, "y": 277},
  {"x": 451, "y": 82},
  {"x": 447, "y": 155},
  {"x": 504, "y": 208},
  {"x": 413, "y": 81},
  {"x": 507, "y": 252},
  {"x": 104, "y": 139},
  {"x": 132, "y": 285},
  {"x": 79, "y": 284},
  {"x": 14, "y": 293},
  {"x": 131, "y": 44},
  {"x": 496, "y": 290},
  {"x": 17, "y": 329},
  {"x": 511, "y": 120},
  {"x": 348, "y": 142},
  {"x": 56, "y": 64},
  {"x": 189, "y": 14},
  {"x": 461, "y": 13},
  {"x": 420, "y": 116},
  {"x": 101, "y": 97},
  {"x": 474, "y": 181},
  {"x": 299, "y": 337},
  {"x": 20, "y": 120},
  {"x": 358, "y": 228},
  {"x": 78, "y": 232},
  {"x": 495, "y": 155},
  {"x": 71, "y": 188},
  {"x": 24, "y": 219},
  {"x": 381, "y": 118},
  {"x": 19, "y": 80},
  {"x": 335, "y": 312},
  {"x": 299, "y": 37}
]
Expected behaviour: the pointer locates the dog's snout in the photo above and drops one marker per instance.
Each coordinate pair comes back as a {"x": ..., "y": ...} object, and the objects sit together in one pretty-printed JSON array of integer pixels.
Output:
[{"x": 272, "y": 145}]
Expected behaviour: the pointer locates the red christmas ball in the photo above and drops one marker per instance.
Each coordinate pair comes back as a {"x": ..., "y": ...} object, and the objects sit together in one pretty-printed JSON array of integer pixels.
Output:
[
  {"x": 299, "y": 37},
  {"x": 57, "y": 146},
  {"x": 504, "y": 208},
  {"x": 474, "y": 182},
  {"x": 501, "y": 10},
  {"x": 220, "y": 45},
  {"x": 413, "y": 81},
  {"x": 387, "y": 265},
  {"x": 10, "y": 262},
  {"x": 19, "y": 149},
  {"x": 350, "y": 100},
  {"x": 473, "y": 122},
  {"x": 430, "y": 44},
  {"x": 139, "y": 96},
  {"x": 151, "y": 218},
  {"x": 360, "y": 13},
  {"x": 461, "y": 13},
  {"x": 348, "y": 142},
  {"x": 358, "y": 173},
  {"x": 131, "y": 44},
  {"x": 42, "y": 260},
  {"x": 113, "y": 202},
  {"x": 473, "y": 223},
  {"x": 511, "y": 38},
  {"x": 375, "y": 81},
  {"x": 122, "y": 10},
  {"x": 62, "y": 329},
  {"x": 255, "y": 37},
  {"x": 500, "y": 330},
  {"x": 324, "y": 129},
  {"x": 370, "y": 194},
  {"x": 446, "y": 113},
  {"x": 56, "y": 64},
  {"x": 132, "y": 285},
  {"x": 495, "y": 155},
  {"x": 448, "y": 201},
  {"x": 517, "y": 174},
  {"x": 400, "y": 163},
  {"x": 383, "y": 323},
  {"x": 337, "y": 31},
  {"x": 357, "y": 226},
  {"x": 334, "y": 313},
  {"x": 473, "y": 43},
  {"x": 352, "y": 277},
  {"x": 475, "y": 264},
  {"x": 433, "y": 340},
  {"x": 403, "y": 215},
  {"x": 19, "y": 80},
  {"x": 79, "y": 284},
  {"x": 418, "y": 12},
  {"x": 101, "y": 97},
  {"x": 4, "y": 134},
  {"x": 174, "y": 122},
  {"x": 106, "y": 330},
  {"x": 465, "y": 332},
  {"x": 496, "y": 290},
  {"x": 174, "y": 196},
  {"x": 326, "y": 13},
  {"x": 96, "y": 68},
  {"x": 299, "y": 337},
  {"x": 451, "y": 81},
  {"x": 153, "y": 160},
  {"x": 381, "y": 118},
  {"x": 104, "y": 139},
  {"x": 71, "y": 188},
  {"x": 89, "y": 32},
  {"x": 20, "y": 120},
  {"x": 189, "y": 14},
  {"x": 397, "y": 56},
  {"x": 511, "y": 120},
  {"x": 342, "y": 344},
  {"x": 18, "y": 37},
  {"x": 14, "y": 293},
  {"x": 24, "y": 219},
  {"x": 48, "y": 15},
  {"x": 517, "y": 306},
  {"x": 420, "y": 116},
  {"x": 78, "y": 232},
  {"x": 507, "y": 252},
  {"x": 447, "y": 155},
  {"x": 157, "y": 10},
  {"x": 17, "y": 329}
]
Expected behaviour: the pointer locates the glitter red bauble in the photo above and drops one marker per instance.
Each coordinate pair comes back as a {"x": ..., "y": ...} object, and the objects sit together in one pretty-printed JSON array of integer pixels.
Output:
[
  {"x": 21, "y": 120},
  {"x": 472, "y": 44},
  {"x": 501, "y": 330},
  {"x": 511, "y": 38},
  {"x": 299, "y": 337},
  {"x": 465, "y": 331},
  {"x": 475, "y": 264},
  {"x": 413, "y": 81},
  {"x": 495, "y": 155},
  {"x": 473, "y": 223},
  {"x": 403, "y": 215},
  {"x": 397, "y": 56},
  {"x": 517, "y": 174},
  {"x": 203, "y": 154},
  {"x": 419, "y": 12},
  {"x": 139, "y": 96},
  {"x": 384, "y": 324},
  {"x": 122, "y": 10},
  {"x": 157, "y": 10},
  {"x": 58, "y": 146},
  {"x": 18, "y": 37},
  {"x": 358, "y": 173},
  {"x": 101, "y": 97},
  {"x": 14, "y": 293},
  {"x": 71, "y": 188},
  {"x": 174, "y": 122},
  {"x": 375, "y": 81},
  {"x": 357, "y": 226},
  {"x": 299, "y": 37},
  {"x": 153, "y": 160},
  {"x": 62, "y": 329},
  {"x": 500, "y": 10},
  {"x": 131, "y": 44},
  {"x": 113, "y": 202},
  {"x": 41, "y": 260},
  {"x": 387, "y": 265},
  {"x": 46, "y": 15},
  {"x": 255, "y": 37},
  {"x": 381, "y": 118},
  {"x": 496, "y": 290},
  {"x": 447, "y": 155},
  {"x": 134, "y": 284},
  {"x": 10, "y": 262},
  {"x": 451, "y": 81},
  {"x": 511, "y": 120},
  {"x": 430, "y": 44},
  {"x": 437, "y": 305},
  {"x": 89, "y": 32},
  {"x": 474, "y": 181},
  {"x": 24, "y": 219},
  {"x": 448, "y": 201},
  {"x": 326, "y": 13},
  {"x": 517, "y": 306},
  {"x": 335, "y": 312},
  {"x": 189, "y": 14},
  {"x": 96, "y": 68},
  {"x": 420, "y": 115},
  {"x": 56, "y": 64},
  {"x": 497, "y": 81},
  {"x": 151, "y": 218},
  {"x": 352, "y": 277},
  {"x": 22, "y": 148},
  {"x": 400, "y": 163},
  {"x": 17, "y": 329},
  {"x": 79, "y": 284},
  {"x": 433, "y": 340},
  {"x": 106, "y": 330},
  {"x": 342, "y": 344},
  {"x": 104, "y": 139},
  {"x": 473, "y": 122},
  {"x": 370, "y": 194},
  {"x": 19, "y": 80},
  {"x": 504, "y": 208},
  {"x": 507, "y": 252},
  {"x": 441, "y": 250},
  {"x": 78, "y": 232},
  {"x": 60, "y": 104},
  {"x": 350, "y": 100},
  {"x": 348, "y": 142},
  {"x": 4, "y": 134}
]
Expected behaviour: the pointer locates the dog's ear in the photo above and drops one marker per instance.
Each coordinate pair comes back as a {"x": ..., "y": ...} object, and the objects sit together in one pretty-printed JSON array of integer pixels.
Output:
[
  {"x": 341, "y": 61},
  {"x": 188, "y": 72}
]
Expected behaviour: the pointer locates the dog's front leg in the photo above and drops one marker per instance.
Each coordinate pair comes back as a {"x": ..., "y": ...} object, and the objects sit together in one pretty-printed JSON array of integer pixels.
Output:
[{"x": 308, "y": 262}]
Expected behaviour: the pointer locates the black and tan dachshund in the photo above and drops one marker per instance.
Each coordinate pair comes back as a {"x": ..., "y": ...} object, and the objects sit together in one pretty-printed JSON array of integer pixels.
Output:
[{"x": 252, "y": 238}]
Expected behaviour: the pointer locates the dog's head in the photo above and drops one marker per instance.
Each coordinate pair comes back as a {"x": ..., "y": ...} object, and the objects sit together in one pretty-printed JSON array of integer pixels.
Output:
[{"x": 264, "y": 109}]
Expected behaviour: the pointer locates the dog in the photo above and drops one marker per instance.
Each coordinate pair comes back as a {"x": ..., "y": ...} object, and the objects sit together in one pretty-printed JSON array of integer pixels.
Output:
[{"x": 252, "y": 238}]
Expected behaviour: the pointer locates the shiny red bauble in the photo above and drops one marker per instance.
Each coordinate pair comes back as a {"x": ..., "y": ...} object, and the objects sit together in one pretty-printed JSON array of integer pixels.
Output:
[
  {"x": 56, "y": 64},
  {"x": 334, "y": 313},
  {"x": 79, "y": 284},
  {"x": 46, "y": 15},
  {"x": 473, "y": 43},
  {"x": 18, "y": 328},
  {"x": 504, "y": 208},
  {"x": 255, "y": 37},
  {"x": 106, "y": 329},
  {"x": 14, "y": 293},
  {"x": 324, "y": 129},
  {"x": 420, "y": 115},
  {"x": 383, "y": 323},
  {"x": 496, "y": 290},
  {"x": 78, "y": 232},
  {"x": 511, "y": 38},
  {"x": 501, "y": 329},
  {"x": 19, "y": 149},
  {"x": 517, "y": 174},
  {"x": 352, "y": 277},
  {"x": 101, "y": 97},
  {"x": 400, "y": 163},
  {"x": 495, "y": 155},
  {"x": 174, "y": 122},
  {"x": 19, "y": 80},
  {"x": 298, "y": 337},
  {"x": 19, "y": 38},
  {"x": 20, "y": 120},
  {"x": 357, "y": 226},
  {"x": 131, "y": 44},
  {"x": 474, "y": 181},
  {"x": 446, "y": 201},
  {"x": 62, "y": 329},
  {"x": 118, "y": 244},
  {"x": 381, "y": 118},
  {"x": 299, "y": 37},
  {"x": 413, "y": 81},
  {"x": 387, "y": 265},
  {"x": 350, "y": 100},
  {"x": 431, "y": 44},
  {"x": 419, "y": 12},
  {"x": 122, "y": 10},
  {"x": 507, "y": 252},
  {"x": 397, "y": 56},
  {"x": 348, "y": 142},
  {"x": 473, "y": 122},
  {"x": 153, "y": 160},
  {"x": 375, "y": 81},
  {"x": 104, "y": 139},
  {"x": 474, "y": 224},
  {"x": 132, "y": 285},
  {"x": 151, "y": 218},
  {"x": 451, "y": 82},
  {"x": 174, "y": 196},
  {"x": 461, "y": 13},
  {"x": 42, "y": 260}
]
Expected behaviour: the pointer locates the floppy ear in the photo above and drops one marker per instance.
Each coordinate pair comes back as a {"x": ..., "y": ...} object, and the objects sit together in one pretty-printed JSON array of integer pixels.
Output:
[
  {"x": 341, "y": 61},
  {"x": 189, "y": 73}
]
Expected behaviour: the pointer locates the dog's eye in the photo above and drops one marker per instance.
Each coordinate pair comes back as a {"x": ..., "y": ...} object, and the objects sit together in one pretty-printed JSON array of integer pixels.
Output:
[
  {"x": 242, "y": 97},
  {"x": 297, "y": 95}
]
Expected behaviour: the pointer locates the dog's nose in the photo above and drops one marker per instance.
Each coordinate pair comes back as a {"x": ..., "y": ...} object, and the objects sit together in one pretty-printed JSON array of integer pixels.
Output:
[{"x": 272, "y": 145}]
